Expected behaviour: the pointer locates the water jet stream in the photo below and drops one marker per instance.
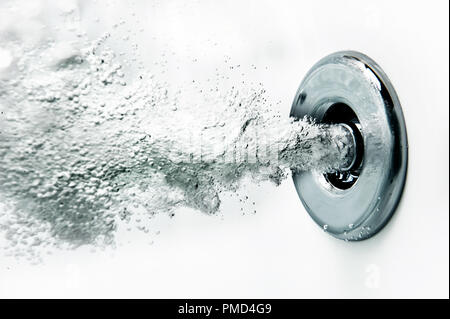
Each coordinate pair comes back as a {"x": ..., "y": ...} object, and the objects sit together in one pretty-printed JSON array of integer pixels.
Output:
[{"x": 82, "y": 150}]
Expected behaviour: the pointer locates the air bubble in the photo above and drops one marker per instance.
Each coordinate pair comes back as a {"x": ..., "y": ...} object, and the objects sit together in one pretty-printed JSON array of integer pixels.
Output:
[{"x": 6, "y": 58}]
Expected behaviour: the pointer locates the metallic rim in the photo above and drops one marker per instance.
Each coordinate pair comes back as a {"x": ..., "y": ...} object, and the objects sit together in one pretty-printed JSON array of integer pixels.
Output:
[{"x": 350, "y": 88}]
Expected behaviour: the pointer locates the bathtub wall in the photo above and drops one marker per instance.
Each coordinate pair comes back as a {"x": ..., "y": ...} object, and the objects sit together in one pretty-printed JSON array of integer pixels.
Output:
[{"x": 280, "y": 251}]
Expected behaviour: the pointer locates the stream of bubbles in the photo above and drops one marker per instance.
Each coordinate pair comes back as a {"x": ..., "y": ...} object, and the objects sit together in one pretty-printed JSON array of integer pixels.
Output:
[{"x": 82, "y": 150}]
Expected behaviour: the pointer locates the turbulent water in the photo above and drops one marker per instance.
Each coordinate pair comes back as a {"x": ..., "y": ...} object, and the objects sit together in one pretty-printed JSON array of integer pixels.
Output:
[{"x": 82, "y": 150}]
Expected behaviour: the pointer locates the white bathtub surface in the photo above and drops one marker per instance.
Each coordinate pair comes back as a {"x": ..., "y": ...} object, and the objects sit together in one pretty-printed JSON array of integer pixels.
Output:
[{"x": 280, "y": 252}]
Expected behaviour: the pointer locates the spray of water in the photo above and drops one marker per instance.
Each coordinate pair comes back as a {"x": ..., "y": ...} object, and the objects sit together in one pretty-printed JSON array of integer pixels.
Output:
[{"x": 82, "y": 151}]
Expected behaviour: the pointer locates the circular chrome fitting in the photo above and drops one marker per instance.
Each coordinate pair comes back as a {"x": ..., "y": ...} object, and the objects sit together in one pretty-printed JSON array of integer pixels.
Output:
[{"x": 349, "y": 88}]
